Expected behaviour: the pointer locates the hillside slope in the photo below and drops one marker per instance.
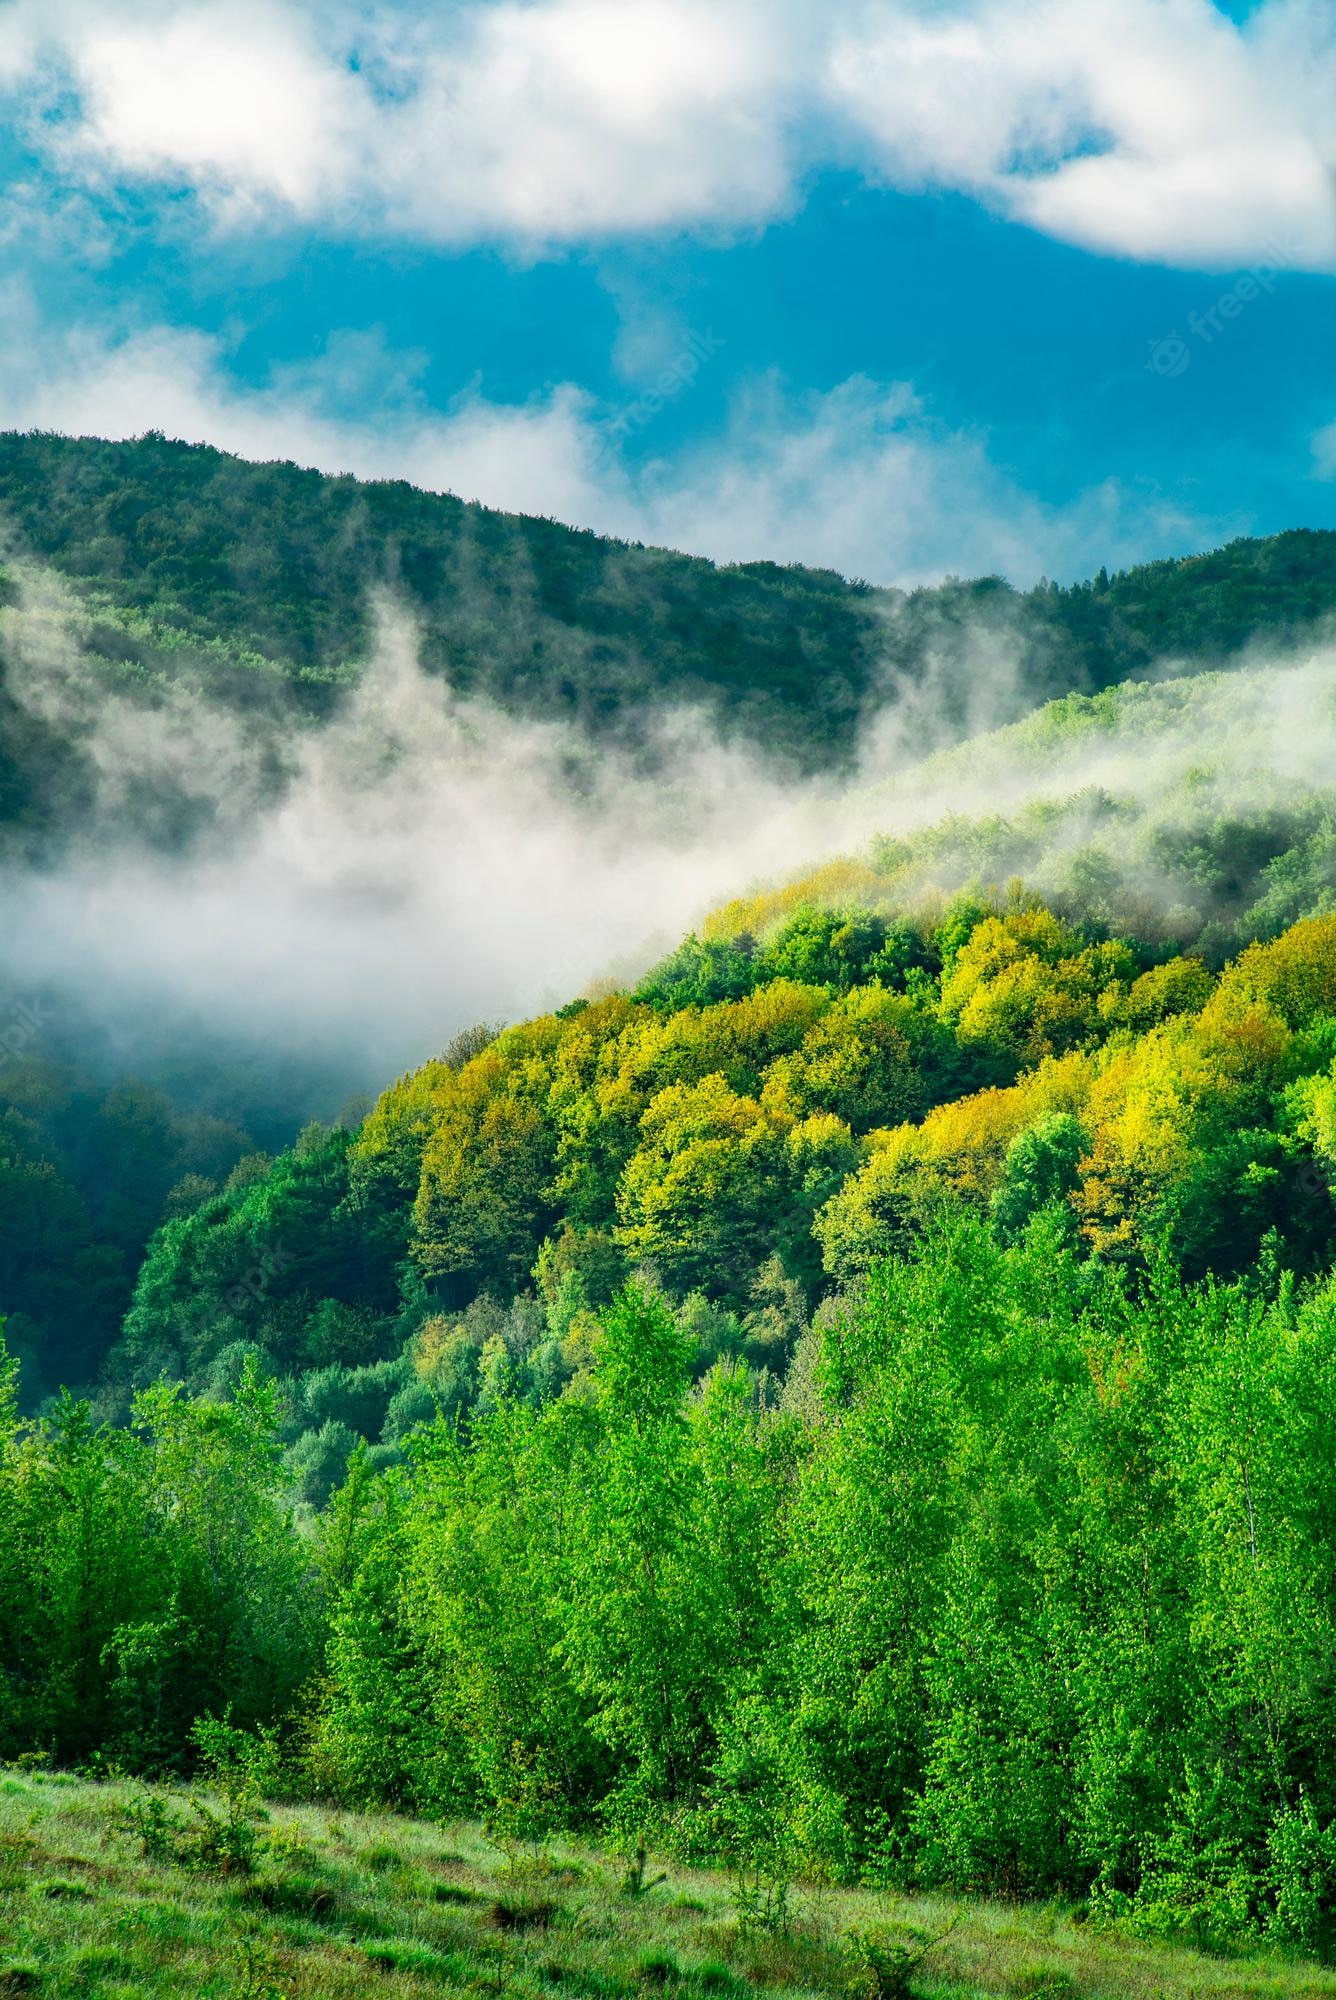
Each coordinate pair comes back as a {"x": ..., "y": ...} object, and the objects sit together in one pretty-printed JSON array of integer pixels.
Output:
[
  {"x": 1165, "y": 828},
  {"x": 258, "y": 578},
  {"x": 855, "y": 1403},
  {"x": 1198, "y": 812}
]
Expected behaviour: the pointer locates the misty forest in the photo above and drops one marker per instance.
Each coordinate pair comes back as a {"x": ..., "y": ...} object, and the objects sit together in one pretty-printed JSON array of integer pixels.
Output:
[{"x": 658, "y": 1209}]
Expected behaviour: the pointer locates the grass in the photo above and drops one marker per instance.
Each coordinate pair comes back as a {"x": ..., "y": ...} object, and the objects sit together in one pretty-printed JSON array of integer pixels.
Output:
[{"x": 345, "y": 1906}]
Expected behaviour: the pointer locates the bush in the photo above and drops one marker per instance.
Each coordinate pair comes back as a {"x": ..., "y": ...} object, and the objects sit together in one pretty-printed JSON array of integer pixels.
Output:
[{"x": 1303, "y": 1857}]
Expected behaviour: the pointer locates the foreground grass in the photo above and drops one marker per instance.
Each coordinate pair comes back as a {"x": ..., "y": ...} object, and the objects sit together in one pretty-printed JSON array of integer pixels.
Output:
[{"x": 343, "y": 1905}]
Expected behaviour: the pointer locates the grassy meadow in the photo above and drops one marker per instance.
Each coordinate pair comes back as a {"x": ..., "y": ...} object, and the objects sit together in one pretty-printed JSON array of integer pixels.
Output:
[{"x": 340, "y": 1904}]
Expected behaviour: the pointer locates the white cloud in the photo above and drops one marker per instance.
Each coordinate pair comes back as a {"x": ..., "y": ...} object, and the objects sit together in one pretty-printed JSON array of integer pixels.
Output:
[
  {"x": 1155, "y": 129},
  {"x": 238, "y": 99},
  {"x": 860, "y": 479},
  {"x": 418, "y": 829},
  {"x": 1147, "y": 128},
  {"x": 540, "y": 123},
  {"x": 533, "y": 457},
  {"x": 579, "y": 117}
]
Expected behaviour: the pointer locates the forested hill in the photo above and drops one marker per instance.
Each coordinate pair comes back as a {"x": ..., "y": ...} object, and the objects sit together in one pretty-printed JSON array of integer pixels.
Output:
[
  {"x": 855, "y": 1404},
  {"x": 184, "y": 553}
]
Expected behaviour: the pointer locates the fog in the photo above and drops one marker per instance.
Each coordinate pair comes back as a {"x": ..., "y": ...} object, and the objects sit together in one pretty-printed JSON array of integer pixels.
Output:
[
  {"x": 1246, "y": 739},
  {"x": 359, "y": 891},
  {"x": 351, "y": 894}
]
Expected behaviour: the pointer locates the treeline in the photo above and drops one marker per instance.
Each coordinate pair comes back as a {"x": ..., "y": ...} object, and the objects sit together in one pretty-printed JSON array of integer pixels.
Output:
[
  {"x": 888, "y": 1029},
  {"x": 1025, "y": 1586},
  {"x": 87, "y": 1171},
  {"x": 1190, "y": 815},
  {"x": 567, "y": 1135},
  {"x": 197, "y": 579},
  {"x": 1023, "y": 1582},
  {"x": 255, "y": 581},
  {"x": 149, "y": 1576}
]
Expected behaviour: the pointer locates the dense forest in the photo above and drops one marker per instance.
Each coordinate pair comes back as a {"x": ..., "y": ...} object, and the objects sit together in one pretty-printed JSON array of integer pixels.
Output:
[
  {"x": 1162, "y": 814},
  {"x": 164, "y": 597},
  {"x": 877, "y": 1423},
  {"x": 256, "y": 582},
  {"x": 751, "y": 1130},
  {"x": 855, "y": 1403},
  {"x": 98, "y": 1148}
]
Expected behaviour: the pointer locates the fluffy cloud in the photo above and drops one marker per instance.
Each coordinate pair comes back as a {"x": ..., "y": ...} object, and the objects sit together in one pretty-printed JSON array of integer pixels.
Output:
[
  {"x": 539, "y": 123},
  {"x": 1151, "y": 128},
  {"x": 1155, "y": 129},
  {"x": 537, "y": 458},
  {"x": 241, "y": 101},
  {"x": 860, "y": 479}
]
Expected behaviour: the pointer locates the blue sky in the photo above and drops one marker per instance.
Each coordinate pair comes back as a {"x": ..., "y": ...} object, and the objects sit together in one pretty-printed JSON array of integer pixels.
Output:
[{"x": 1027, "y": 287}]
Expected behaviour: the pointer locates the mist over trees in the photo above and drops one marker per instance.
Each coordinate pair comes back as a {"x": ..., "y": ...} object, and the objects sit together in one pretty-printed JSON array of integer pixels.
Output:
[
  {"x": 253, "y": 581},
  {"x": 854, "y": 1400},
  {"x": 185, "y": 627}
]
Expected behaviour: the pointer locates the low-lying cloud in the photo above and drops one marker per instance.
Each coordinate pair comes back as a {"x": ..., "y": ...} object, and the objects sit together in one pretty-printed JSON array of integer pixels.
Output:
[
  {"x": 363, "y": 889},
  {"x": 354, "y": 892}
]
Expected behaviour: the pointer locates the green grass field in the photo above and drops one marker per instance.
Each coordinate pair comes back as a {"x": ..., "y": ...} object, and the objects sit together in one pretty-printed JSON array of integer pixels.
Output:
[{"x": 345, "y": 1905}]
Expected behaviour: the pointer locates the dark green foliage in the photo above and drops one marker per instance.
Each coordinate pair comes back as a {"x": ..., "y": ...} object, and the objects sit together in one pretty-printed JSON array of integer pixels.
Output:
[
  {"x": 834, "y": 948},
  {"x": 287, "y": 1263},
  {"x": 318, "y": 1461},
  {"x": 87, "y": 1171},
  {"x": 259, "y": 577},
  {"x": 99, "y": 1145},
  {"x": 1042, "y": 1167},
  {"x": 858, "y": 1407},
  {"x": 251, "y": 585},
  {"x": 747, "y": 1157},
  {"x": 819, "y": 947},
  {"x": 701, "y": 972},
  {"x": 255, "y": 582}
]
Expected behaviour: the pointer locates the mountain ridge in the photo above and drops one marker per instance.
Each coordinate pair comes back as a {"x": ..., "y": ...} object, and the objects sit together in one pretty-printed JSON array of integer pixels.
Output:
[{"x": 185, "y": 550}]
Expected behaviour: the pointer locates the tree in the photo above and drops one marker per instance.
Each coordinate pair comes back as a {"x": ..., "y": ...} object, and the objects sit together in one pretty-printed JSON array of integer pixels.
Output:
[
  {"x": 701, "y": 1191},
  {"x": 1042, "y": 1166}
]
